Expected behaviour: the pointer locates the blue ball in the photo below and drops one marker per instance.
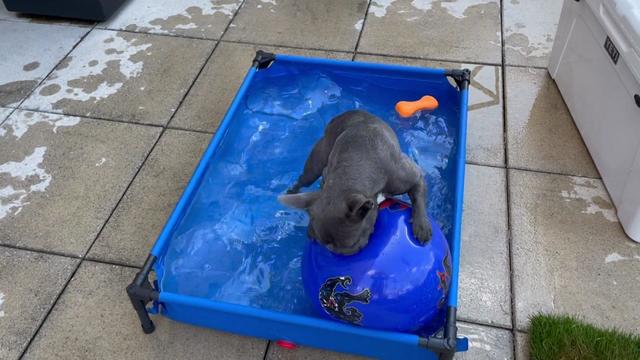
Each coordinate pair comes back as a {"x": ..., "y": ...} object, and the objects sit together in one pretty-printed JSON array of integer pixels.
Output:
[{"x": 393, "y": 283}]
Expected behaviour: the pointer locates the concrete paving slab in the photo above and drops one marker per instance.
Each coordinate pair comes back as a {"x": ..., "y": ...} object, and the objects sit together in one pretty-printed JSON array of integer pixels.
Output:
[
  {"x": 570, "y": 254},
  {"x": 462, "y": 30},
  {"x": 486, "y": 343},
  {"x": 541, "y": 134},
  {"x": 61, "y": 176},
  {"x": 4, "y": 113},
  {"x": 30, "y": 52},
  {"x": 328, "y": 24},
  {"x": 123, "y": 76},
  {"x": 140, "y": 216},
  {"x": 94, "y": 320},
  {"x": 29, "y": 285},
  {"x": 529, "y": 31},
  {"x": 196, "y": 18},
  {"x": 522, "y": 346},
  {"x": 484, "y": 285},
  {"x": 277, "y": 353}
]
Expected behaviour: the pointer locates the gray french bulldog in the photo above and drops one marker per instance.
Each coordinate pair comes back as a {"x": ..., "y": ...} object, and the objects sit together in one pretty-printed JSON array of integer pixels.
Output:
[{"x": 359, "y": 159}]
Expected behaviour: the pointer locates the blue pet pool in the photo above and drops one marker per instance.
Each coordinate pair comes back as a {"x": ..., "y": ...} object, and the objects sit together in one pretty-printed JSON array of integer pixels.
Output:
[{"x": 229, "y": 256}]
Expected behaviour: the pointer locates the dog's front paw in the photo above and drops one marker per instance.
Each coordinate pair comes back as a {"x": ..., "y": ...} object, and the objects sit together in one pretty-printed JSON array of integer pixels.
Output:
[{"x": 422, "y": 231}]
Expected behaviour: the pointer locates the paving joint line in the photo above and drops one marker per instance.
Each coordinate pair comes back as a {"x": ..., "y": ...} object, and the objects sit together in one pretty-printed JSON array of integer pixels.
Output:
[
  {"x": 526, "y": 66},
  {"x": 68, "y": 256},
  {"x": 158, "y": 34},
  {"x": 553, "y": 173},
  {"x": 286, "y": 46},
  {"x": 477, "y": 163},
  {"x": 8, "y": 115},
  {"x": 111, "y": 262},
  {"x": 364, "y": 22},
  {"x": 91, "y": 117},
  {"x": 40, "y": 251},
  {"x": 179, "y": 128},
  {"x": 507, "y": 175},
  {"x": 266, "y": 350},
  {"x": 97, "y": 118},
  {"x": 546, "y": 172},
  {"x": 485, "y": 324},
  {"x": 409, "y": 57}
]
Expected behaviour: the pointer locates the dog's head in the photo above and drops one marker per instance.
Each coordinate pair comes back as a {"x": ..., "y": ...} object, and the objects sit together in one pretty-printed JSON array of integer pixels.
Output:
[{"x": 342, "y": 224}]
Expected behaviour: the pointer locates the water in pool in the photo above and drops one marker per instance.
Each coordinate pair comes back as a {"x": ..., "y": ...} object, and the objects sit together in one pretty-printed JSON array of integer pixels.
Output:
[{"x": 236, "y": 243}]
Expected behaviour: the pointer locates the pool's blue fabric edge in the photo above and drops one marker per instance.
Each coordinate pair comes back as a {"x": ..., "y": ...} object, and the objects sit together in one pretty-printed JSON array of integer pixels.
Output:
[{"x": 234, "y": 318}]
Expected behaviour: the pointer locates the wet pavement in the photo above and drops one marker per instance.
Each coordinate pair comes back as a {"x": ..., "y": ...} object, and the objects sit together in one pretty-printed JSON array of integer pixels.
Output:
[{"x": 101, "y": 126}]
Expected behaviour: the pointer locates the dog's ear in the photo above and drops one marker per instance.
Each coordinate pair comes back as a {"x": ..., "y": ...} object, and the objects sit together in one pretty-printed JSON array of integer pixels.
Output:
[
  {"x": 358, "y": 206},
  {"x": 299, "y": 201}
]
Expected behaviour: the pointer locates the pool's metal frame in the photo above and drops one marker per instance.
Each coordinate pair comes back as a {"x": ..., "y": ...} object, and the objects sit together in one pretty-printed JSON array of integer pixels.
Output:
[{"x": 302, "y": 329}]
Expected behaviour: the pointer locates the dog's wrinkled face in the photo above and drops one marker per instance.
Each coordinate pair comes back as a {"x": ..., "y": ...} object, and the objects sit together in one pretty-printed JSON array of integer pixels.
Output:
[{"x": 343, "y": 226}]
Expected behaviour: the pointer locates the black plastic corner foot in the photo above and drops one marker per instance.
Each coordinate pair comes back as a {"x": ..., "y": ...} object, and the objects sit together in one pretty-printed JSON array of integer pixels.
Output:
[
  {"x": 263, "y": 59},
  {"x": 444, "y": 345},
  {"x": 462, "y": 77},
  {"x": 149, "y": 328},
  {"x": 141, "y": 293}
]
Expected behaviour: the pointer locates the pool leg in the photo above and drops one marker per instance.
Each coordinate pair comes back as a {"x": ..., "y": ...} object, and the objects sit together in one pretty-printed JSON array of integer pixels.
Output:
[
  {"x": 446, "y": 345},
  {"x": 141, "y": 292}
]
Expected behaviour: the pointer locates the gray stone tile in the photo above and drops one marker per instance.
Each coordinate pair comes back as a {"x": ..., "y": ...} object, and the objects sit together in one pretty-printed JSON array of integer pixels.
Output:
[
  {"x": 529, "y": 30},
  {"x": 197, "y": 18},
  {"x": 462, "y": 30},
  {"x": 328, "y": 24},
  {"x": 123, "y": 76},
  {"x": 522, "y": 346},
  {"x": 61, "y": 176},
  {"x": 485, "y": 133},
  {"x": 4, "y": 112},
  {"x": 208, "y": 100},
  {"x": 541, "y": 134},
  {"x": 277, "y": 353},
  {"x": 94, "y": 320},
  {"x": 34, "y": 51},
  {"x": 485, "y": 343},
  {"x": 570, "y": 254},
  {"x": 140, "y": 216},
  {"x": 485, "y": 292},
  {"x": 29, "y": 285}
]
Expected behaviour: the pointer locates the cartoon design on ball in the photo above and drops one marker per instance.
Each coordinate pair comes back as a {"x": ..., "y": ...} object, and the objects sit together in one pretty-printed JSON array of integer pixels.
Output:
[
  {"x": 335, "y": 303},
  {"x": 445, "y": 280}
]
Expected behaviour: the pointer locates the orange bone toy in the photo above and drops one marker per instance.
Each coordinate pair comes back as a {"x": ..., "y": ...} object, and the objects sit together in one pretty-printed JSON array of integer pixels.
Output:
[{"x": 408, "y": 108}]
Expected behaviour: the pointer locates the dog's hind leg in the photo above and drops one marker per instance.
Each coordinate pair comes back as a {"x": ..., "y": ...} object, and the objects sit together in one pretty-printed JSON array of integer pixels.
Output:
[{"x": 316, "y": 162}]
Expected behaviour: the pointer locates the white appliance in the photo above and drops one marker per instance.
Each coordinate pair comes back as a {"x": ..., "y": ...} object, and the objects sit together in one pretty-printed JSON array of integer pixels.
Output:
[{"x": 596, "y": 63}]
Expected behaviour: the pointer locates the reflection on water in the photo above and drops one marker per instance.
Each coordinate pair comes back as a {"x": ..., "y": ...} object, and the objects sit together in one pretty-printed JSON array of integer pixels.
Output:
[{"x": 236, "y": 243}]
